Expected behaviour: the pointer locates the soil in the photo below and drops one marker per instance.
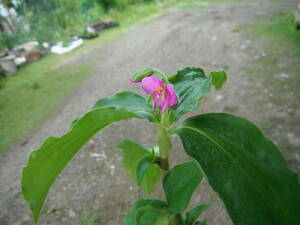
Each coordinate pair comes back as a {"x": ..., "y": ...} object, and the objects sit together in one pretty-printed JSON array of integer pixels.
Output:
[{"x": 96, "y": 184}]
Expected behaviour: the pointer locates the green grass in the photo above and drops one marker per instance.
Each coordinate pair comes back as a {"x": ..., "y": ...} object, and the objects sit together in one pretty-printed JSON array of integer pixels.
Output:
[
  {"x": 281, "y": 43},
  {"x": 90, "y": 219},
  {"x": 35, "y": 92},
  {"x": 282, "y": 46},
  {"x": 38, "y": 89},
  {"x": 199, "y": 4},
  {"x": 192, "y": 4}
]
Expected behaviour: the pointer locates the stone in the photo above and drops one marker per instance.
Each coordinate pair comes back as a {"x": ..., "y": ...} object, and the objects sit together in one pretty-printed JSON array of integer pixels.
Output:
[
  {"x": 72, "y": 214},
  {"x": 8, "y": 65},
  {"x": 293, "y": 140},
  {"x": 20, "y": 60},
  {"x": 28, "y": 46}
]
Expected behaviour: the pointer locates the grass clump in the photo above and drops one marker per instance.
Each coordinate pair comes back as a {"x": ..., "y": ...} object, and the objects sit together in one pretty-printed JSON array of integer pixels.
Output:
[
  {"x": 33, "y": 93},
  {"x": 278, "y": 71},
  {"x": 90, "y": 220},
  {"x": 282, "y": 41}
]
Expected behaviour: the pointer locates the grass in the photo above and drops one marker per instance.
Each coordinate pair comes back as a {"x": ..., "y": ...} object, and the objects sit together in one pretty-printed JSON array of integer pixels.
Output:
[
  {"x": 38, "y": 89},
  {"x": 281, "y": 43},
  {"x": 35, "y": 92},
  {"x": 198, "y": 4},
  {"x": 90, "y": 220},
  {"x": 192, "y": 4}
]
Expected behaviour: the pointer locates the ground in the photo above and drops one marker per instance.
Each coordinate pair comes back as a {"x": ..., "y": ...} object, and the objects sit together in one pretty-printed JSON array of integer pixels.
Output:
[{"x": 213, "y": 38}]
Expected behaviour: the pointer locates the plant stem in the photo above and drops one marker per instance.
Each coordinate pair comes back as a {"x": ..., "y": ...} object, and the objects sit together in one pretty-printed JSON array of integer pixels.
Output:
[
  {"x": 164, "y": 141},
  {"x": 176, "y": 220}
]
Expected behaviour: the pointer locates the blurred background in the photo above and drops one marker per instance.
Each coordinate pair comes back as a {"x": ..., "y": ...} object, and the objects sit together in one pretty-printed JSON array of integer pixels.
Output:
[{"x": 57, "y": 57}]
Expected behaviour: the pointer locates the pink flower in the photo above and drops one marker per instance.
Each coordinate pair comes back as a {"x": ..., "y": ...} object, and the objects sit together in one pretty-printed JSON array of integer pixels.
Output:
[{"x": 164, "y": 96}]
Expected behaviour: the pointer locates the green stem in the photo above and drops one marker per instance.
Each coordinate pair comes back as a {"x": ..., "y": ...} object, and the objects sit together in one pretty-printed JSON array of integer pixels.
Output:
[
  {"x": 164, "y": 141},
  {"x": 177, "y": 220}
]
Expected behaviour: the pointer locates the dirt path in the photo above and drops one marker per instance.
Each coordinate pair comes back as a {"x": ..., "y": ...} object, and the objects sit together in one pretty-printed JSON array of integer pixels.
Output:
[{"x": 99, "y": 185}]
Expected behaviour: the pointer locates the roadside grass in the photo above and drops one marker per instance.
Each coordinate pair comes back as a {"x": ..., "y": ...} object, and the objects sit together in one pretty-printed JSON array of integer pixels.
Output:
[
  {"x": 282, "y": 47},
  {"x": 38, "y": 89},
  {"x": 35, "y": 92},
  {"x": 278, "y": 72},
  {"x": 198, "y": 4},
  {"x": 90, "y": 219},
  {"x": 193, "y": 4}
]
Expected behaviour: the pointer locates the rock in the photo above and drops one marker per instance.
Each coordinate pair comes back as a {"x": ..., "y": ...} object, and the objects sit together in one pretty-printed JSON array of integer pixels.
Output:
[
  {"x": 293, "y": 140},
  {"x": 28, "y": 46},
  {"x": 297, "y": 13},
  {"x": 72, "y": 214},
  {"x": 20, "y": 60},
  {"x": 3, "y": 53},
  {"x": 100, "y": 25},
  {"x": 8, "y": 65}
]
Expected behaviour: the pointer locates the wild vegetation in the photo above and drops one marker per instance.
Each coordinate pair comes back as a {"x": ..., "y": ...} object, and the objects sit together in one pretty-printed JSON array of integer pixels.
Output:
[
  {"x": 57, "y": 20},
  {"x": 28, "y": 90}
]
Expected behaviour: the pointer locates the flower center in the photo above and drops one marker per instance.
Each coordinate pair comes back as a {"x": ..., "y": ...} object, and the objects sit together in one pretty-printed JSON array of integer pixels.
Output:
[{"x": 159, "y": 90}]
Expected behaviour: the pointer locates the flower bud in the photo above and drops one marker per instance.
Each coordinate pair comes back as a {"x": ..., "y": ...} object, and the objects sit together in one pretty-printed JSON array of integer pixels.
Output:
[{"x": 138, "y": 76}]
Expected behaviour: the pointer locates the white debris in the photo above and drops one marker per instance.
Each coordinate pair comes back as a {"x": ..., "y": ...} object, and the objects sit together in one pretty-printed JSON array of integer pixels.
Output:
[
  {"x": 46, "y": 45},
  {"x": 20, "y": 60},
  {"x": 59, "y": 49}
]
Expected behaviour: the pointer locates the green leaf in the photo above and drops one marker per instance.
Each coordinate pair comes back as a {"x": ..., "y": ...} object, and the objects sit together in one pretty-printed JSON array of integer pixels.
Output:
[
  {"x": 192, "y": 215},
  {"x": 179, "y": 185},
  {"x": 190, "y": 85},
  {"x": 47, "y": 162},
  {"x": 244, "y": 168},
  {"x": 136, "y": 214},
  {"x": 129, "y": 101},
  {"x": 150, "y": 215},
  {"x": 143, "y": 167},
  {"x": 132, "y": 155},
  {"x": 201, "y": 223},
  {"x": 163, "y": 219},
  {"x": 218, "y": 79}
]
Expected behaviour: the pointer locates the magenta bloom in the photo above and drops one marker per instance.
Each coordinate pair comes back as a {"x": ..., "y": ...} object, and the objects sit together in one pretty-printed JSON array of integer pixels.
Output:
[{"x": 164, "y": 96}]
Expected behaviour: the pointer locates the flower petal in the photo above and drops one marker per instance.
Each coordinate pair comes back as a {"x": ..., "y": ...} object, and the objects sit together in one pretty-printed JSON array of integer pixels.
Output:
[
  {"x": 151, "y": 84},
  {"x": 170, "y": 96}
]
